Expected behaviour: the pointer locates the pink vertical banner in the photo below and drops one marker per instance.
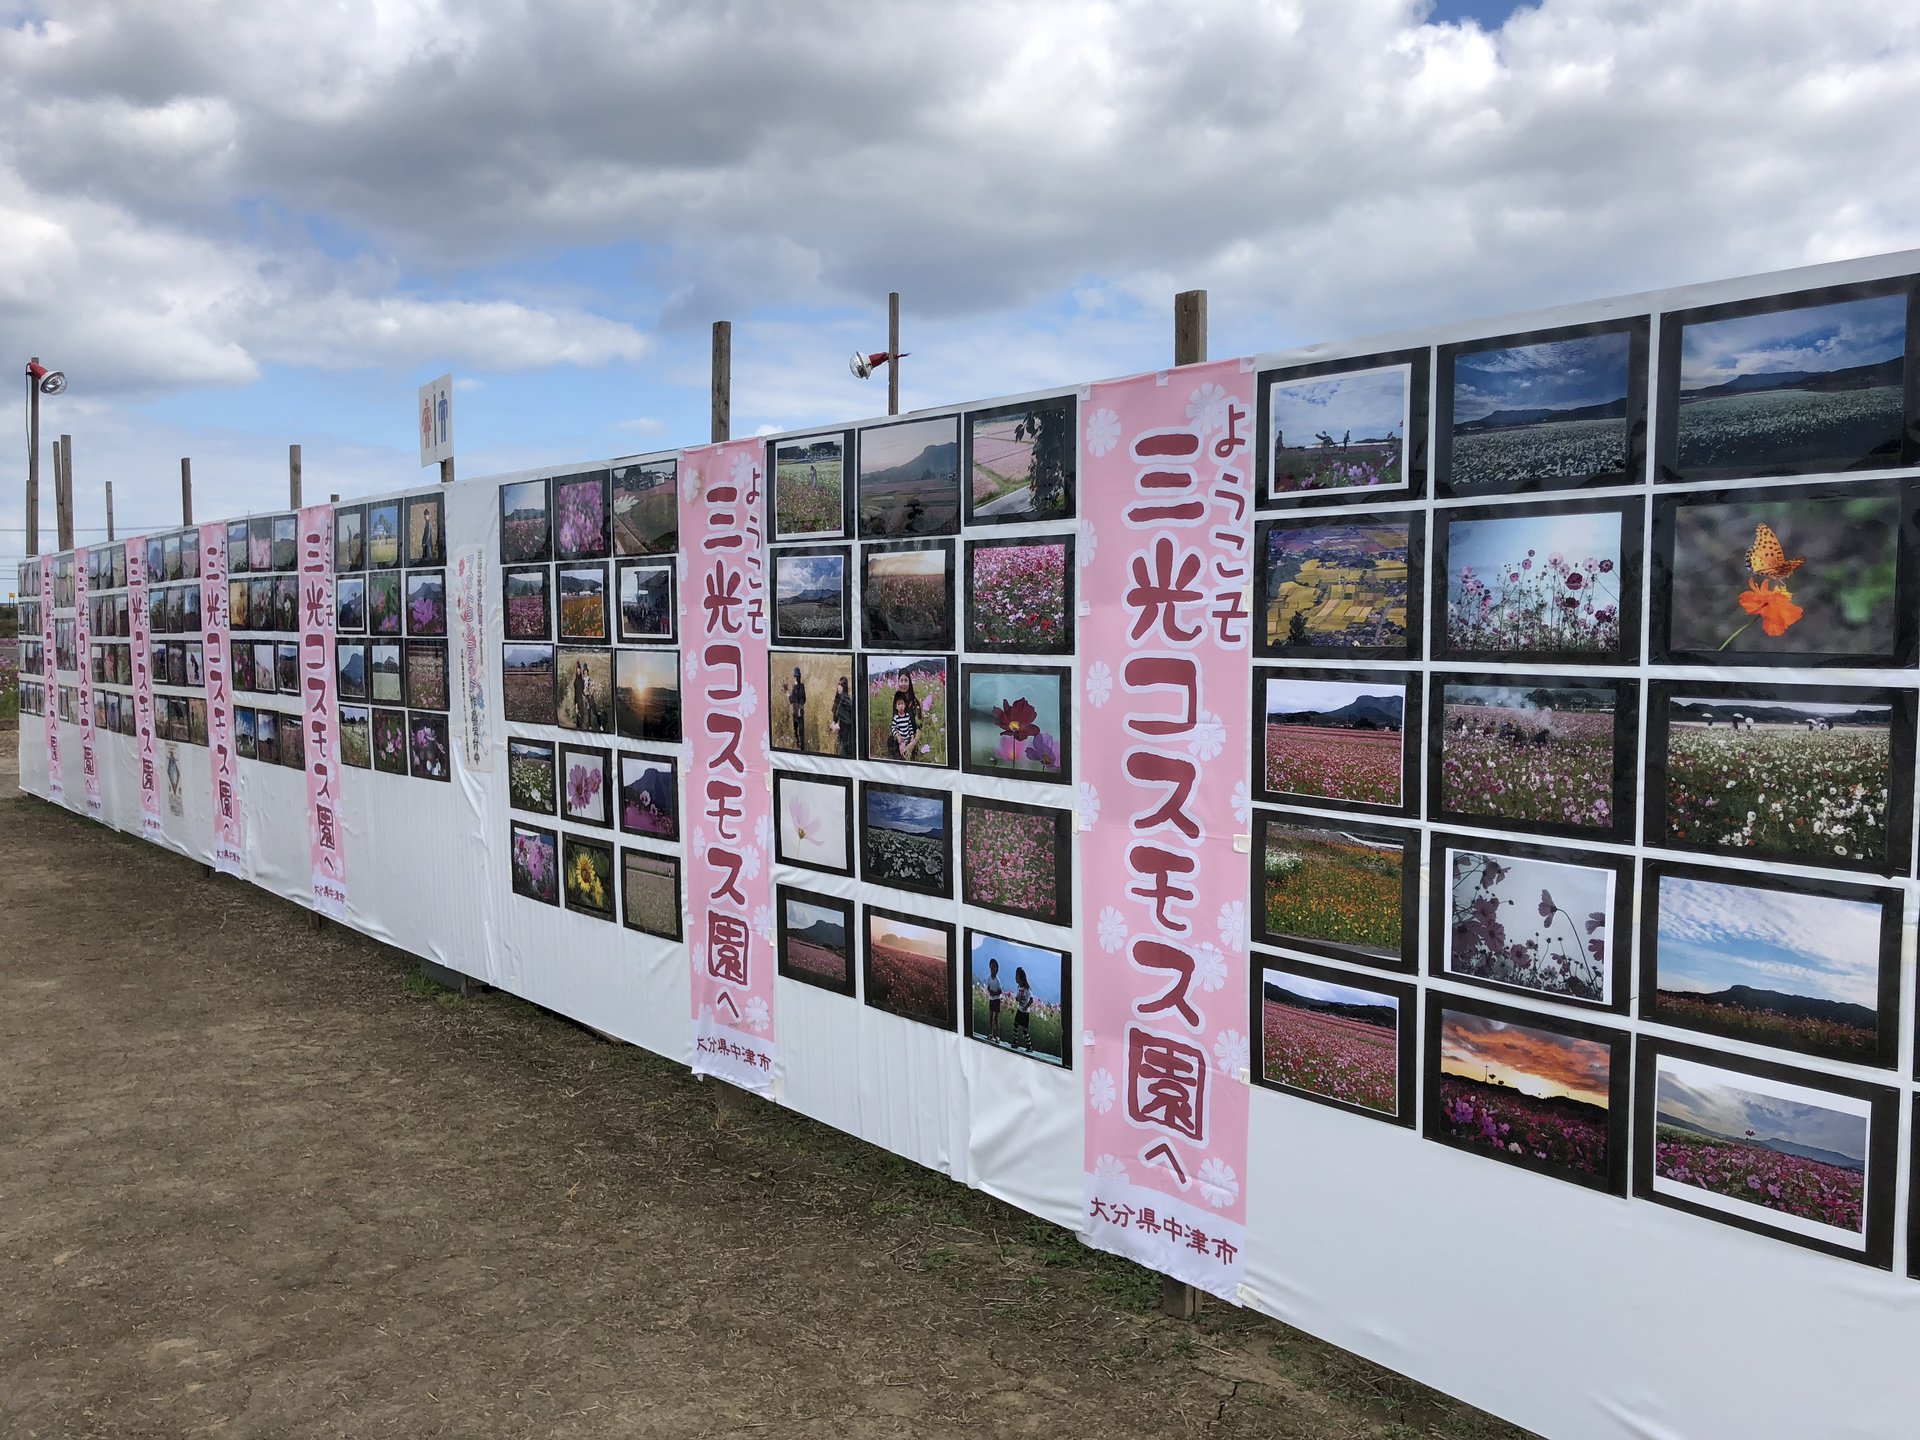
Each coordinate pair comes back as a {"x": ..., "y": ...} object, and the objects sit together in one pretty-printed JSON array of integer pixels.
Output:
[
  {"x": 140, "y": 631},
  {"x": 1165, "y": 729},
  {"x": 319, "y": 710},
  {"x": 229, "y": 829},
  {"x": 83, "y": 647},
  {"x": 723, "y": 630},
  {"x": 56, "y": 787}
]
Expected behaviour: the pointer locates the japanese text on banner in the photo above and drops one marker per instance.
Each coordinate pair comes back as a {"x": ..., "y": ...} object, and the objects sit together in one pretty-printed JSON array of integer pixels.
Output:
[
  {"x": 318, "y": 712},
  {"x": 229, "y": 833},
  {"x": 56, "y": 788},
  {"x": 83, "y": 647},
  {"x": 469, "y": 627},
  {"x": 139, "y": 629}
]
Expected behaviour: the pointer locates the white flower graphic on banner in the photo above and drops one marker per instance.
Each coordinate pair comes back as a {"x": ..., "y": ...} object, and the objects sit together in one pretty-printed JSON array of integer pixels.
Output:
[
  {"x": 699, "y": 842},
  {"x": 1099, "y": 683},
  {"x": 1089, "y": 543},
  {"x": 756, "y": 1013},
  {"x": 1103, "y": 432},
  {"x": 763, "y": 920},
  {"x": 1109, "y": 1168},
  {"x": 1210, "y": 967},
  {"x": 1232, "y": 921},
  {"x": 1113, "y": 929},
  {"x": 1209, "y": 736},
  {"x": 1101, "y": 1091},
  {"x": 1242, "y": 802},
  {"x": 1207, "y": 409},
  {"x": 1089, "y": 805},
  {"x": 750, "y": 862},
  {"x": 706, "y": 1015},
  {"x": 743, "y": 473},
  {"x": 763, "y": 833},
  {"x": 749, "y": 700},
  {"x": 690, "y": 663},
  {"x": 1230, "y": 1051},
  {"x": 1219, "y": 1186}
]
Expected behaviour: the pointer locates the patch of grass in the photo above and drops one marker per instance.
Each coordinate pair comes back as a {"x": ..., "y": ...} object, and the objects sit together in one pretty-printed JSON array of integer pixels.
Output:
[{"x": 423, "y": 986}]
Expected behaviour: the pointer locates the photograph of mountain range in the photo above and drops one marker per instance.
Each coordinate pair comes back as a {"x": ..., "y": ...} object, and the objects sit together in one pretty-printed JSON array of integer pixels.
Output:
[
  {"x": 910, "y": 478},
  {"x": 1544, "y": 414}
]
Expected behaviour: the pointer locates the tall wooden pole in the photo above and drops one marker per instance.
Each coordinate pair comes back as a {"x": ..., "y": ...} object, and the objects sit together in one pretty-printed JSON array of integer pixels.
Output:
[
  {"x": 186, "y": 490},
  {"x": 33, "y": 462},
  {"x": 893, "y": 352},
  {"x": 446, "y": 472},
  {"x": 1190, "y": 327},
  {"x": 293, "y": 477},
  {"x": 109, "y": 512},
  {"x": 63, "y": 493},
  {"x": 722, "y": 381}
]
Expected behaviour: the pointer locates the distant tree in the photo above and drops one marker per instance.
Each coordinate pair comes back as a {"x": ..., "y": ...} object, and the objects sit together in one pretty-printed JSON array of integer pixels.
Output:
[{"x": 1297, "y": 628}]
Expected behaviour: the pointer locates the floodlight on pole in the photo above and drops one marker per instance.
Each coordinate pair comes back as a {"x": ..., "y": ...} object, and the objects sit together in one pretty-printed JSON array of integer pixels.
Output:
[
  {"x": 48, "y": 382},
  {"x": 864, "y": 364}
]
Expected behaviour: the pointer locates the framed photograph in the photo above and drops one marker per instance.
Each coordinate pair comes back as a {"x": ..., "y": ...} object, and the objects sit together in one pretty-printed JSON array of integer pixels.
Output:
[
  {"x": 646, "y": 507},
  {"x": 910, "y": 967},
  {"x": 586, "y": 785},
  {"x": 349, "y": 605},
  {"x": 196, "y": 664},
  {"x": 1338, "y": 737},
  {"x": 908, "y": 705},
  {"x": 385, "y": 612},
  {"x": 816, "y": 939},
  {"x": 646, "y": 694},
  {"x": 581, "y": 528},
  {"x": 1811, "y": 966},
  {"x": 286, "y": 544},
  {"x": 584, "y": 690},
  {"x": 239, "y": 666},
  {"x": 650, "y": 892},
  {"x": 239, "y": 551},
  {"x": 349, "y": 539},
  {"x": 587, "y": 877},
  {"x": 1550, "y": 754},
  {"x": 246, "y": 734},
  {"x": 196, "y": 720},
  {"x": 386, "y": 679},
  {"x": 1335, "y": 1037},
  {"x": 427, "y": 602},
  {"x": 650, "y": 795},
  {"x": 1796, "y": 575},
  {"x": 906, "y": 838},
  {"x": 1345, "y": 586},
  {"x": 813, "y": 596},
  {"x": 383, "y": 536},
  {"x": 527, "y": 676},
  {"x": 1810, "y": 383},
  {"x": 190, "y": 610},
  {"x": 1017, "y": 859},
  {"x": 389, "y": 741},
  {"x": 808, "y": 497},
  {"x": 350, "y": 666},
  {"x": 120, "y": 566},
  {"x": 1532, "y": 920},
  {"x": 1546, "y": 410},
  {"x": 528, "y": 602},
  {"x": 430, "y": 749},
  {"x": 1019, "y": 997},
  {"x": 1346, "y": 890},
  {"x": 812, "y": 707},
  {"x": 535, "y": 862},
  {"x": 1818, "y": 775},
  {"x": 170, "y": 557},
  {"x": 356, "y": 736},
  {"x": 526, "y": 523},
  {"x": 1021, "y": 462},
  {"x": 426, "y": 530},
  {"x": 1343, "y": 431},
  {"x": 1555, "y": 583},
  {"x": 266, "y": 737},
  {"x": 813, "y": 822},
  {"x": 906, "y": 596},
  {"x": 1020, "y": 596},
  {"x": 427, "y": 687},
  {"x": 532, "y": 783},
  {"x": 1020, "y": 721},
  {"x": 646, "y": 601},
  {"x": 189, "y": 554},
  {"x": 1803, "y": 1157},
  {"x": 259, "y": 612},
  {"x": 910, "y": 478},
  {"x": 583, "y": 602},
  {"x": 1529, "y": 1090},
  {"x": 266, "y": 667}
]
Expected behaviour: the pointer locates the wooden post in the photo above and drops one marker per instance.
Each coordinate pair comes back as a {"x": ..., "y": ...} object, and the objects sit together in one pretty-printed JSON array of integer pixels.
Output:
[
  {"x": 722, "y": 381},
  {"x": 293, "y": 477},
  {"x": 63, "y": 493},
  {"x": 186, "y": 491},
  {"x": 33, "y": 462},
  {"x": 109, "y": 512},
  {"x": 893, "y": 352},
  {"x": 446, "y": 472},
  {"x": 1190, "y": 327}
]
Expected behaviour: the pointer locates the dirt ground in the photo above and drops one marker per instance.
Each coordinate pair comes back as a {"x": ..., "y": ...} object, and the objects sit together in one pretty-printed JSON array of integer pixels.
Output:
[{"x": 257, "y": 1181}]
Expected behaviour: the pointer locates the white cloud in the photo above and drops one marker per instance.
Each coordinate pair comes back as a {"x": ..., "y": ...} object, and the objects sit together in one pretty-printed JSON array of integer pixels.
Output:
[{"x": 641, "y": 425}]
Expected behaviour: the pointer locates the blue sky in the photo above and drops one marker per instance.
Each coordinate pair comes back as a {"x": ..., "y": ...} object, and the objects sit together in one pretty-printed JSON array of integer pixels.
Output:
[
  {"x": 1042, "y": 966},
  {"x": 1327, "y": 993},
  {"x": 1552, "y": 375},
  {"x": 1715, "y": 935},
  {"x": 1369, "y": 405},
  {"x": 1729, "y": 1104},
  {"x": 1325, "y": 695},
  {"x": 797, "y": 574},
  {"x": 1494, "y": 549},
  {"x": 1820, "y": 337}
]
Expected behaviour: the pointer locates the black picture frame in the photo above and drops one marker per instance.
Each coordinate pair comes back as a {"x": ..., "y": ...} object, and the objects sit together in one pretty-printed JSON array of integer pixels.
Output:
[
  {"x": 1061, "y": 413},
  {"x": 980, "y": 865},
  {"x": 599, "y": 756},
  {"x": 1617, "y": 968},
  {"x": 787, "y": 938},
  {"x": 1062, "y": 957},
  {"x": 386, "y": 604},
  {"x": 239, "y": 562},
  {"x": 587, "y": 547},
  {"x": 1632, "y": 471},
  {"x": 879, "y": 510},
  {"x": 1884, "y": 1050},
  {"x": 426, "y": 582},
  {"x": 428, "y": 548},
  {"x": 978, "y": 640},
  {"x": 1434, "y": 1122},
  {"x": 1348, "y": 740},
  {"x": 1410, "y": 523},
  {"x": 843, "y": 528},
  {"x": 419, "y": 764},
  {"x": 541, "y": 753},
  {"x": 881, "y": 625},
  {"x": 523, "y": 541},
  {"x": 671, "y": 834},
  {"x": 1624, "y": 776},
  {"x": 661, "y": 472},
  {"x": 343, "y": 655},
  {"x": 1403, "y": 956},
  {"x": 419, "y": 696},
  {"x": 528, "y": 702},
  {"x": 873, "y": 986},
  {"x": 782, "y": 779},
  {"x": 1666, "y": 830},
  {"x": 1877, "y": 1190},
  {"x": 526, "y": 576},
  {"x": 356, "y": 720},
  {"x": 1406, "y": 1043},
  {"x": 665, "y": 931},
  {"x": 286, "y": 545},
  {"x": 349, "y": 538},
  {"x": 1670, "y": 583},
  {"x": 1669, "y": 466},
  {"x": 783, "y": 613},
  {"x": 393, "y": 512},
  {"x": 584, "y": 572},
  {"x": 1625, "y": 579},
  {"x": 669, "y": 626},
  {"x": 662, "y": 725},
  {"x": 572, "y": 845},
  {"x": 953, "y": 720},
  {"x": 1061, "y": 678},
  {"x": 350, "y": 605},
  {"x": 517, "y": 828},
  {"x": 821, "y": 672},
  {"x": 879, "y": 871},
  {"x": 1414, "y": 458}
]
